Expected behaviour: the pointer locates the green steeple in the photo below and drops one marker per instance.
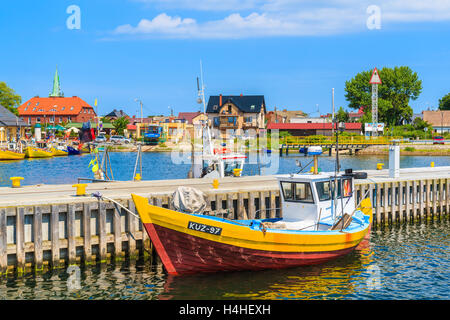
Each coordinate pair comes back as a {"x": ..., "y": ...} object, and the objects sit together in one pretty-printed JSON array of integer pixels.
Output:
[{"x": 56, "y": 92}]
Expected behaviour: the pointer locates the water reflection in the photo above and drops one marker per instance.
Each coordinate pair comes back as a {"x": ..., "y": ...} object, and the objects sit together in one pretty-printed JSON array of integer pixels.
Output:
[{"x": 409, "y": 261}]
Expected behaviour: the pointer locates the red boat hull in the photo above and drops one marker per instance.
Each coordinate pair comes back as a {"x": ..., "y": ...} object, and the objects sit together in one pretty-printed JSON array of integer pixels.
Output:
[{"x": 182, "y": 253}]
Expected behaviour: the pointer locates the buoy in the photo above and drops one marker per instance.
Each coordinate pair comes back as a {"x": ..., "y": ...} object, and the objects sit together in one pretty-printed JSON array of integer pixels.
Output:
[
  {"x": 215, "y": 183},
  {"x": 432, "y": 164},
  {"x": 81, "y": 189},
  {"x": 16, "y": 181},
  {"x": 138, "y": 177}
]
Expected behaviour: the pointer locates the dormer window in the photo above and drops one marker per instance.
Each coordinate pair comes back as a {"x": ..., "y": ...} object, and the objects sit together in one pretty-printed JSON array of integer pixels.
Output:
[
  {"x": 62, "y": 109},
  {"x": 71, "y": 108},
  {"x": 215, "y": 107},
  {"x": 37, "y": 103},
  {"x": 252, "y": 107}
]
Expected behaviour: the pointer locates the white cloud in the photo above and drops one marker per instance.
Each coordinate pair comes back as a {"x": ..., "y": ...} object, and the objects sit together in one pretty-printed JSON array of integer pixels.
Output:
[{"x": 264, "y": 18}]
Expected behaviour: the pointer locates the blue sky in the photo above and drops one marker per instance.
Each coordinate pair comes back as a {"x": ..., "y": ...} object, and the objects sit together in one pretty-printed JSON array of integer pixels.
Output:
[{"x": 292, "y": 52}]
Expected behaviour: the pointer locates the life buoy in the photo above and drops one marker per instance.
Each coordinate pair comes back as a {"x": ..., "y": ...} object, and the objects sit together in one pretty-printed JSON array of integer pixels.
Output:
[{"x": 221, "y": 150}]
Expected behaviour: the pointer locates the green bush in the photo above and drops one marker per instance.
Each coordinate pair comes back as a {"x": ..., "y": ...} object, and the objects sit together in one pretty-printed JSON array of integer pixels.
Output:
[{"x": 410, "y": 149}]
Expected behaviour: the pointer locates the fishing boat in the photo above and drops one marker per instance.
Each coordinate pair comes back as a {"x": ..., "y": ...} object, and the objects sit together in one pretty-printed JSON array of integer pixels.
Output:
[
  {"x": 34, "y": 152},
  {"x": 57, "y": 152},
  {"x": 72, "y": 151},
  {"x": 11, "y": 155},
  {"x": 320, "y": 222}
]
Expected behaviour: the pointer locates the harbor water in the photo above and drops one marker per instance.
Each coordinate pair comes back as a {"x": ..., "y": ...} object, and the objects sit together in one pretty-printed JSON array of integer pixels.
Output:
[
  {"x": 161, "y": 166},
  {"x": 404, "y": 261}
]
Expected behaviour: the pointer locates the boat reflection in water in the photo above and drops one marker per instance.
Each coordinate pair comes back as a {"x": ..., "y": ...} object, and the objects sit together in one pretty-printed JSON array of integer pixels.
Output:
[{"x": 343, "y": 278}]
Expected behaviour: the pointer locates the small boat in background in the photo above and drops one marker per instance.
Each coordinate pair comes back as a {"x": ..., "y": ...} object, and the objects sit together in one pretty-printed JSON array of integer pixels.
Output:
[
  {"x": 72, "y": 151},
  {"x": 58, "y": 152},
  {"x": 11, "y": 155},
  {"x": 34, "y": 152}
]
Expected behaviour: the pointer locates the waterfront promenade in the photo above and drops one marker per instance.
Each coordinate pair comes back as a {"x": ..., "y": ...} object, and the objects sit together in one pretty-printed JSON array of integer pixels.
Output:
[{"x": 48, "y": 224}]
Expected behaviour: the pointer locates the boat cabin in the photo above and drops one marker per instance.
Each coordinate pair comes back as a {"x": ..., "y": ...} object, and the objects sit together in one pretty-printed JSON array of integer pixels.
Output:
[{"x": 316, "y": 198}]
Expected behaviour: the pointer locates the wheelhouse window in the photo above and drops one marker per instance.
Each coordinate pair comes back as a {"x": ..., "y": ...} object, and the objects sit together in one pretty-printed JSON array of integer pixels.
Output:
[
  {"x": 297, "y": 191},
  {"x": 325, "y": 191}
]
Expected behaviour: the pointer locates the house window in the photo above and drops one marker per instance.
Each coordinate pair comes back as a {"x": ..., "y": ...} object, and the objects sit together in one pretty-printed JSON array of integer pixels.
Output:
[
  {"x": 62, "y": 109},
  {"x": 60, "y": 119},
  {"x": 215, "y": 107},
  {"x": 71, "y": 108},
  {"x": 28, "y": 103},
  {"x": 248, "y": 119},
  {"x": 29, "y": 120},
  {"x": 38, "y": 119},
  {"x": 216, "y": 121},
  {"x": 34, "y": 109},
  {"x": 232, "y": 120},
  {"x": 37, "y": 103},
  {"x": 25, "y": 109},
  {"x": 229, "y": 108}
]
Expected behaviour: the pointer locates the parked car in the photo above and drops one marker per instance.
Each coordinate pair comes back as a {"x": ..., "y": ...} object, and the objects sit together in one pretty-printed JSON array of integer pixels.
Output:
[
  {"x": 100, "y": 139},
  {"x": 119, "y": 139},
  {"x": 438, "y": 140}
]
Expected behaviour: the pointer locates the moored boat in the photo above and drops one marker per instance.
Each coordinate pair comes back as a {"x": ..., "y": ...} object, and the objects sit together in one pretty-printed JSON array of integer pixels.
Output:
[
  {"x": 72, "y": 151},
  {"x": 58, "y": 152},
  {"x": 11, "y": 155},
  {"x": 319, "y": 223},
  {"x": 33, "y": 152}
]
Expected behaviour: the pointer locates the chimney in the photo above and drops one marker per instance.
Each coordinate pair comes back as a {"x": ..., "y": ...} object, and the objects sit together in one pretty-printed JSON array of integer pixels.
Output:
[{"x": 220, "y": 100}]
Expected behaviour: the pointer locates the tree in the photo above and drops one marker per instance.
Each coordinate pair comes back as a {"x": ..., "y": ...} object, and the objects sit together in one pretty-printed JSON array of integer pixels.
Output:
[
  {"x": 120, "y": 124},
  {"x": 399, "y": 86},
  {"x": 9, "y": 99},
  {"x": 342, "y": 115},
  {"x": 444, "y": 102}
]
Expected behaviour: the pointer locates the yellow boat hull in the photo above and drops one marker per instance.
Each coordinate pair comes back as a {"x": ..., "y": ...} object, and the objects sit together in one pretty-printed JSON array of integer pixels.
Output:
[
  {"x": 193, "y": 243},
  {"x": 11, "y": 155},
  {"x": 58, "y": 153},
  {"x": 33, "y": 152}
]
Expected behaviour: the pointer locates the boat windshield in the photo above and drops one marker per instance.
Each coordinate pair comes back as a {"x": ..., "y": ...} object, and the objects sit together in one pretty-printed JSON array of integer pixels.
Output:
[
  {"x": 229, "y": 166},
  {"x": 297, "y": 191},
  {"x": 326, "y": 192}
]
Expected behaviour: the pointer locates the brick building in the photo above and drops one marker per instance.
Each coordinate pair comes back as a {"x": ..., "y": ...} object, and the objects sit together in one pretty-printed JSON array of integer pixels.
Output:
[{"x": 55, "y": 108}]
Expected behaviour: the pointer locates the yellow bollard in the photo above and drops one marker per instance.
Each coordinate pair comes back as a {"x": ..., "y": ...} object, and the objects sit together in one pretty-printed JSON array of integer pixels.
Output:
[
  {"x": 215, "y": 184},
  {"x": 312, "y": 169},
  {"x": 432, "y": 164},
  {"x": 81, "y": 189},
  {"x": 380, "y": 166},
  {"x": 138, "y": 177},
  {"x": 237, "y": 172},
  {"x": 16, "y": 181}
]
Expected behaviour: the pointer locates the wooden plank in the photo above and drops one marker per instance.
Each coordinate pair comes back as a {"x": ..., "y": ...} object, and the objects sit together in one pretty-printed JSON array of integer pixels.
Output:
[
  {"x": 3, "y": 242},
  {"x": 400, "y": 202},
  {"x": 407, "y": 200},
  {"x": 240, "y": 207},
  {"x": 428, "y": 198},
  {"x": 71, "y": 247},
  {"x": 87, "y": 246},
  {"x": 378, "y": 203},
  {"x": 262, "y": 205},
  {"x": 421, "y": 197},
  {"x": 434, "y": 197},
  {"x": 55, "y": 235},
  {"x": 251, "y": 205},
  {"x": 20, "y": 244},
  {"x": 414, "y": 201},
  {"x": 37, "y": 230},
  {"x": 131, "y": 228},
  {"x": 218, "y": 201},
  {"x": 273, "y": 211},
  {"x": 117, "y": 232},
  {"x": 385, "y": 202},
  {"x": 393, "y": 199},
  {"x": 441, "y": 196},
  {"x": 230, "y": 205},
  {"x": 447, "y": 196},
  {"x": 102, "y": 230}
]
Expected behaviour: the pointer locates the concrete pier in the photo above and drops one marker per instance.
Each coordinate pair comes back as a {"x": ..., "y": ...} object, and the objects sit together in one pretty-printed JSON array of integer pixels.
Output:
[{"x": 47, "y": 225}]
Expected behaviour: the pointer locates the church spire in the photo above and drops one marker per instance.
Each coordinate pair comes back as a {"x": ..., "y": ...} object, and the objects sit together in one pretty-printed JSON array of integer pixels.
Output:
[{"x": 56, "y": 92}]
